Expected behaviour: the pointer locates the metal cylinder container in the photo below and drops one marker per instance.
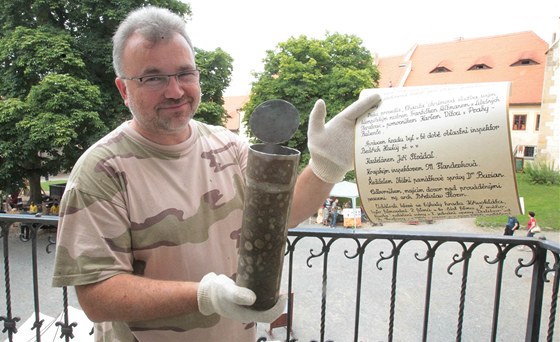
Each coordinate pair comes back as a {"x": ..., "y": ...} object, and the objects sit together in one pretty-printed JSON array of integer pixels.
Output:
[{"x": 270, "y": 179}]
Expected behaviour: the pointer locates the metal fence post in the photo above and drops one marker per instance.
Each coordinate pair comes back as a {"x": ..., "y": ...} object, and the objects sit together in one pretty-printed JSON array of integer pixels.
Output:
[{"x": 536, "y": 296}]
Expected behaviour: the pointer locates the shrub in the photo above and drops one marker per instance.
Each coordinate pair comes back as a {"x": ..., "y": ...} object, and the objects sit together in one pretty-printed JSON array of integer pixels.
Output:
[{"x": 542, "y": 172}]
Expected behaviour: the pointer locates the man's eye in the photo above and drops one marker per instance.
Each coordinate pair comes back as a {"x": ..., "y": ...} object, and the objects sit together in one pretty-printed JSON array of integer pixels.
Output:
[
  {"x": 187, "y": 76},
  {"x": 153, "y": 79}
]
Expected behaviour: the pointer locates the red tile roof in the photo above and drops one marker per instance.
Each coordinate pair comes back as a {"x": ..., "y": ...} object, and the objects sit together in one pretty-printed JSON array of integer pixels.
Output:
[
  {"x": 392, "y": 70},
  {"x": 496, "y": 52}
]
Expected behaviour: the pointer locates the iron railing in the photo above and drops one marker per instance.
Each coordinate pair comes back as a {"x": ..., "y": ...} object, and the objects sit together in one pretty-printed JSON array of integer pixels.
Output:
[{"x": 375, "y": 285}]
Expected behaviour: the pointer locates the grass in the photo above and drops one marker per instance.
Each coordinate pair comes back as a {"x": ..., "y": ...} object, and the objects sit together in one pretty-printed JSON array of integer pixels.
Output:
[
  {"x": 544, "y": 200},
  {"x": 45, "y": 185}
]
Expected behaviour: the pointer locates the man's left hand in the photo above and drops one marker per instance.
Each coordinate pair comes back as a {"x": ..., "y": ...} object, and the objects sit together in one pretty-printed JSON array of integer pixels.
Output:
[{"x": 331, "y": 145}]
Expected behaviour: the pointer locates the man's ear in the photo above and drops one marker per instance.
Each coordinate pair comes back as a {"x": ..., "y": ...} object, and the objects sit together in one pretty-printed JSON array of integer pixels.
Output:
[{"x": 121, "y": 85}]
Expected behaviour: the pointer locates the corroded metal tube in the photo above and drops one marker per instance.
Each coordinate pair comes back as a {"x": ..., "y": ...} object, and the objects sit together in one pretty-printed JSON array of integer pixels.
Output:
[{"x": 270, "y": 179}]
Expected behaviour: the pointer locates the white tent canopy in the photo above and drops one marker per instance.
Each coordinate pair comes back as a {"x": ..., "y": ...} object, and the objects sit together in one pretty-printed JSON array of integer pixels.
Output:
[
  {"x": 348, "y": 190},
  {"x": 345, "y": 189}
]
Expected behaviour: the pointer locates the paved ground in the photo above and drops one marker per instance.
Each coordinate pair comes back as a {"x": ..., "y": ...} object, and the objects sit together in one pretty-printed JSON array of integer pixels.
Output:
[
  {"x": 21, "y": 276},
  {"x": 307, "y": 287},
  {"x": 411, "y": 286}
]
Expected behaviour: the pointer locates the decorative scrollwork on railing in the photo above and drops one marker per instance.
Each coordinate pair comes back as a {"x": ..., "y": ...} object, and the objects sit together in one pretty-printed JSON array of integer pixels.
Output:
[
  {"x": 324, "y": 250},
  {"x": 52, "y": 242},
  {"x": 440, "y": 252},
  {"x": 527, "y": 264},
  {"x": 465, "y": 255},
  {"x": 66, "y": 330},
  {"x": 383, "y": 258},
  {"x": 291, "y": 244},
  {"x": 554, "y": 269},
  {"x": 10, "y": 325},
  {"x": 38, "y": 324},
  {"x": 289, "y": 247},
  {"x": 502, "y": 251},
  {"x": 360, "y": 249},
  {"x": 430, "y": 252}
]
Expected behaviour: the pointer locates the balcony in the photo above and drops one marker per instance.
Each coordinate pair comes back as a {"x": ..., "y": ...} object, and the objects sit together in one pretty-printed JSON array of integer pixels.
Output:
[{"x": 363, "y": 285}]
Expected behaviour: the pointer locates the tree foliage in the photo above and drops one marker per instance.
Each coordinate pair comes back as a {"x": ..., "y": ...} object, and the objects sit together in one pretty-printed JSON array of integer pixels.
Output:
[
  {"x": 57, "y": 90},
  {"x": 215, "y": 75},
  {"x": 28, "y": 55},
  {"x": 47, "y": 131},
  {"x": 303, "y": 70}
]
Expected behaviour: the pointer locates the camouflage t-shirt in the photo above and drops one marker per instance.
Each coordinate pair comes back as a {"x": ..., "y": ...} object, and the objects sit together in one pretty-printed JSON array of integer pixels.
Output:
[{"x": 162, "y": 212}]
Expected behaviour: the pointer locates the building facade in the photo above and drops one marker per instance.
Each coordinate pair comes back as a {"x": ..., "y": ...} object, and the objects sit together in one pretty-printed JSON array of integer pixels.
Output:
[
  {"x": 548, "y": 145},
  {"x": 520, "y": 58}
]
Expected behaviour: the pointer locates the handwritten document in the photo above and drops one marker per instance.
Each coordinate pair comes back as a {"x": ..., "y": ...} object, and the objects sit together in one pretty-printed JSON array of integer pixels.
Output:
[{"x": 436, "y": 152}]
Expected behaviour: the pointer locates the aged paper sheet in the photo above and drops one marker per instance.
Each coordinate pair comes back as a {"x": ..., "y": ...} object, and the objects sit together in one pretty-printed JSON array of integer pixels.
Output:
[{"x": 436, "y": 152}]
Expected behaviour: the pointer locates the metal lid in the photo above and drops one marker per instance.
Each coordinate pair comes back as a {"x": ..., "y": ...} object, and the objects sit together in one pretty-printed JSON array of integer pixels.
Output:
[{"x": 274, "y": 121}]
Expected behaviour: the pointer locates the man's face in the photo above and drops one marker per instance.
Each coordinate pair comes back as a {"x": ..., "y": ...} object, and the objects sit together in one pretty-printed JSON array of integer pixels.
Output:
[{"x": 163, "y": 113}]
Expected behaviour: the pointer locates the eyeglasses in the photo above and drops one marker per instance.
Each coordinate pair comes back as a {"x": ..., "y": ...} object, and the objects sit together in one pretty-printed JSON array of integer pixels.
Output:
[{"x": 159, "y": 82}]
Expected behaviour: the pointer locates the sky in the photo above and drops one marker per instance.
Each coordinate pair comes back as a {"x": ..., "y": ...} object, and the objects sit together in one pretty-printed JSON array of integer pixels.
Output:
[{"x": 246, "y": 29}]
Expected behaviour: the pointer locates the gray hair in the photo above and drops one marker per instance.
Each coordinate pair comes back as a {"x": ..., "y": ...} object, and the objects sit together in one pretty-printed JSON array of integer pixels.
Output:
[{"x": 152, "y": 23}]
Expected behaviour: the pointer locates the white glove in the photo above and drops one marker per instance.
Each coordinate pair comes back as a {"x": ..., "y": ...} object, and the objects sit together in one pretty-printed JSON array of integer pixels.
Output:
[
  {"x": 331, "y": 145},
  {"x": 219, "y": 294}
]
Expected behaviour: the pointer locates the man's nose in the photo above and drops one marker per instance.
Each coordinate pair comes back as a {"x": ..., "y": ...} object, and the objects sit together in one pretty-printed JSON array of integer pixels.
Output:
[{"x": 174, "y": 89}]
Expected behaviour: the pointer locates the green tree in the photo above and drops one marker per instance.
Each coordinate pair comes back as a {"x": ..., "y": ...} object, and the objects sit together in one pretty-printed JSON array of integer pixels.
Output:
[
  {"x": 303, "y": 70},
  {"x": 27, "y": 55},
  {"x": 66, "y": 45},
  {"x": 215, "y": 75},
  {"x": 10, "y": 176},
  {"x": 43, "y": 106},
  {"x": 46, "y": 132}
]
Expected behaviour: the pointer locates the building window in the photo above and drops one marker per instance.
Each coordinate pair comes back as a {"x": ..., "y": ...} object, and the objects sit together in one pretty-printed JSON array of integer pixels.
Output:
[
  {"x": 479, "y": 67},
  {"x": 439, "y": 69},
  {"x": 538, "y": 122},
  {"x": 519, "y": 122},
  {"x": 522, "y": 62},
  {"x": 529, "y": 152}
]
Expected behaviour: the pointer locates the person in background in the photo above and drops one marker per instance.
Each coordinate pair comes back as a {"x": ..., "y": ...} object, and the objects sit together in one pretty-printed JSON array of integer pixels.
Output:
[
  {"x": 327, "y": 211},
  {"x": 32, "y": 208},
  {"x": 54, "y": 208},
  {"x": 335, "y": 208},
  {"x": 164, "y": 270},
  {"x": 531, "y": 225},
  {"x": 511, "y": 225}
]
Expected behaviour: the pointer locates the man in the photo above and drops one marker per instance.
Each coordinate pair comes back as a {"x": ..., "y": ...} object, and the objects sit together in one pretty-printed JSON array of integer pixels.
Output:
[
  {"x": 334, "y": 213},
  {"x": 511, "y": 225},
  {"x": 152, "y": 212}
]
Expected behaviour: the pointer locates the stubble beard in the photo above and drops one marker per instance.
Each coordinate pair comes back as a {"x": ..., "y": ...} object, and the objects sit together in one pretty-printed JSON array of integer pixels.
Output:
[{"x": 154, "y": 122}]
